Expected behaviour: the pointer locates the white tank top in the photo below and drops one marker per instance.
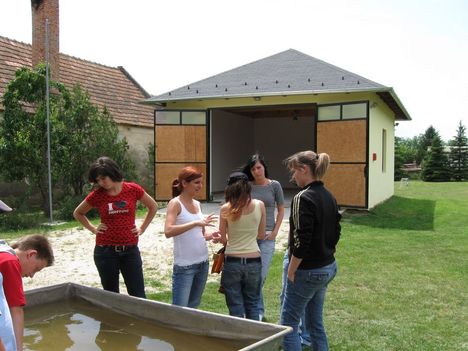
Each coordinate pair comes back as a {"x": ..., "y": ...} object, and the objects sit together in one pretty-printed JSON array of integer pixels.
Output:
[{"x": 190, "y": 246}]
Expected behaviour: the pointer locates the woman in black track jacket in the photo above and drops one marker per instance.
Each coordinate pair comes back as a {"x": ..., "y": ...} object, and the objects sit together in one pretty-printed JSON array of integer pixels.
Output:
[{"x": 313, "y": 235}]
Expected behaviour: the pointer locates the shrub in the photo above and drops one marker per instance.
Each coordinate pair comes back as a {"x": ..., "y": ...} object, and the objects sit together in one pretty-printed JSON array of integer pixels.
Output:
[
  {"x": 17, "y": 220},
  {"x": 68, "y": 205}
]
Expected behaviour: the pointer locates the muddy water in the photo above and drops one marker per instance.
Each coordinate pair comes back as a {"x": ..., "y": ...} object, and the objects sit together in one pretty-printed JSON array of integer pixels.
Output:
[{"x": 76, "y": 325}]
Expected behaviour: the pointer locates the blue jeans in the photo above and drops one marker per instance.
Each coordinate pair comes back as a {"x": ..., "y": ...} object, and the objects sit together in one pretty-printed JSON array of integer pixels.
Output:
[
  {"x": 307, "y": 293},
  {"x": 242, "y": 283},
  {"x": 267, "y": 250},
  {"x": 110, "y": 263},
  {"x": 188, "y": 283},
  {"x": 303, "y": 332}
]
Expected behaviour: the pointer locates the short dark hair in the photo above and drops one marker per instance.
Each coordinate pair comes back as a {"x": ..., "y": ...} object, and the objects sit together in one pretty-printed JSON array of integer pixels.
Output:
[
  {"x": 39, "y": 243},
  {"x": 251, "y": 162},
  {"x": 105, "y": 167}
]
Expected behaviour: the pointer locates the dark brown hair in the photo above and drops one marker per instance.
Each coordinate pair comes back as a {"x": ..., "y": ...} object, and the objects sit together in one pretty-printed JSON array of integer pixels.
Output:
[
  {"x": 247, "y": 168},
  {"x": 105, "y": 167},
  {"x": 237, "y": 195}
]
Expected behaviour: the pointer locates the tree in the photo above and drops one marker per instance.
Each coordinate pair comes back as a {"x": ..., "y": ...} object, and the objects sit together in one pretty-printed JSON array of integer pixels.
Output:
[
  {"x": 23, "y": 129},
  {"x": 436, "y": 165},
  {"x": 80, "y": 133},
  {"x": 92, "y": 134},
  {"x": 425, "y": 140},
  {"x": 399, "y": 159},
  {"x": 459, "y": 154}
]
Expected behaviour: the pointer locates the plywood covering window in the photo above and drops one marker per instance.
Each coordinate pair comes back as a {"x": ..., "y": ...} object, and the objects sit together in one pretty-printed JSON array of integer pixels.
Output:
[
  {"x": 342, "y": 133},
  {"x": 180, "y": 138}
]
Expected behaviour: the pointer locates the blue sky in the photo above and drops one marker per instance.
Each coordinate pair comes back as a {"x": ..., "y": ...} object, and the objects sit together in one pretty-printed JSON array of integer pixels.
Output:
[{"x": 420, "y": 48}]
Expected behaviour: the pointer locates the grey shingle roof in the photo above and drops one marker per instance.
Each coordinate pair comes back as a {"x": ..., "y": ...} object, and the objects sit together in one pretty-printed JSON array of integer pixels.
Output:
[{"x": 287, "y": 73}]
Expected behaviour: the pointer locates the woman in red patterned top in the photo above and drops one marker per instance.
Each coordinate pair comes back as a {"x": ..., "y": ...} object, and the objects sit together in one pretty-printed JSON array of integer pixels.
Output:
[{"x": 117, "y": 235}]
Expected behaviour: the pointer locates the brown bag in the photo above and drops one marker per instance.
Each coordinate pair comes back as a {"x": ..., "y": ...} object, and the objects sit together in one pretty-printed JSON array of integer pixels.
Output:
[{"x": 218, "y": 260}]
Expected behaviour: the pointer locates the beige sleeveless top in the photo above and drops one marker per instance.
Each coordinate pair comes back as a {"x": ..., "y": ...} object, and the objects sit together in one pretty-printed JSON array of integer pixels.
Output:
[{"x": 242, "y": 233}]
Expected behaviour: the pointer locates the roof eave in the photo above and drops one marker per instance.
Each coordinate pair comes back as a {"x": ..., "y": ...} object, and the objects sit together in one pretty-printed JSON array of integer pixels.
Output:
[
  {"x": 155, "y": 101},
  {"x": 394, "y": 103},
  {"x": 402, "y": 114}
]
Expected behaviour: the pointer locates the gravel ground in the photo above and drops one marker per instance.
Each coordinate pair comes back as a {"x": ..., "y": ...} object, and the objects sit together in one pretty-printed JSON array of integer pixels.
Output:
[{"x": 73, "y": 250}]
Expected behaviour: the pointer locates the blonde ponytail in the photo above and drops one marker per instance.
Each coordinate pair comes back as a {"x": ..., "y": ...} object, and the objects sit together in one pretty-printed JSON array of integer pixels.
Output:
[{"x": 317, "y": 163}]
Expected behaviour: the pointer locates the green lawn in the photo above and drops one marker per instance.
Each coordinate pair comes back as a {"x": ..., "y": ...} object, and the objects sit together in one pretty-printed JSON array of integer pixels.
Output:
[{"x": 402, "y": 282}]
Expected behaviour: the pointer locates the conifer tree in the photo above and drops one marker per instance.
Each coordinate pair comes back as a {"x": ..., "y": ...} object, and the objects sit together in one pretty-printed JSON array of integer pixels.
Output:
[
  {"x": 436, "y": 164},
  {"x": 459, "y": 154},
  {"x": 425, "y": 140}
]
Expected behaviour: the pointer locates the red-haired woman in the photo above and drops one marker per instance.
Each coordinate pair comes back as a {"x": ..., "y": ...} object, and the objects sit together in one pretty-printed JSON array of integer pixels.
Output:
[
  {"x": 241, "y": 223},
  {"x": 186, "y": 225}
]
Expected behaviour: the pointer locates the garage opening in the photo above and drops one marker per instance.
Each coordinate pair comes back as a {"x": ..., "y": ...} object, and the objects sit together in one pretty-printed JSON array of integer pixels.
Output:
[{"x": 273, "y": 131}]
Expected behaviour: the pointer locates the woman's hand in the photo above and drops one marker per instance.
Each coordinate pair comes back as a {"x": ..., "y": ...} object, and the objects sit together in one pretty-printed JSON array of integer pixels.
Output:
[
  {"x": 100, "y": 229},
  {"x": 271, "y": 235},
  {"x": 137, "y": 231},
  {"x": 216, "y": 237},
  {"x": 208, "y": 221},
  {"x": 291, "y": 276}
]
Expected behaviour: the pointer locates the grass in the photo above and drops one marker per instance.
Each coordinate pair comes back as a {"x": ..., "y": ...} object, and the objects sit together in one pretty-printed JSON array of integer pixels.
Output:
[{"x": 402, "y": 282}]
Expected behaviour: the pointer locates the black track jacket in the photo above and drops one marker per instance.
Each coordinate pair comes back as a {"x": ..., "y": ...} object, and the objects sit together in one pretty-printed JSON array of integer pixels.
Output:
[{"x": 314, "y": 226}]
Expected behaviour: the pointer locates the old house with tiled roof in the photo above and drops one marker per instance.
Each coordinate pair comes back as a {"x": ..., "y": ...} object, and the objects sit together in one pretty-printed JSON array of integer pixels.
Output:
[
  {"x": 112, "y": 87},
  {"x": 277, "y": 106}
]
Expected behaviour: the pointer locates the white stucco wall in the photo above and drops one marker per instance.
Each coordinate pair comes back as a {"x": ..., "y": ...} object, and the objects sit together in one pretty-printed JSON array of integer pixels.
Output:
[
  {"x": 381, "y": 185},
  {"x": 278, "y": 138},
  {"x": 138, "y": 139},
  {"x": 236, "y": 137},
  {"x": 231, "y": 142}
]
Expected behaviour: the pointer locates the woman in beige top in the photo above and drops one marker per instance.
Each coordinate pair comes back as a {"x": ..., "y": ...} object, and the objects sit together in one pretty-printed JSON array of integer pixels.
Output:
[{"x": 242, "y": 222}]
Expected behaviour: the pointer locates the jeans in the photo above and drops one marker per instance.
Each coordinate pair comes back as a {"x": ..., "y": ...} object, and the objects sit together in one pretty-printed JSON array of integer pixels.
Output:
[
  {"x": 267, "y": 250},
  {"x": 188, "y": 283},
  {"x": 110, "y": 263},
  {"x": 303, "y": 332},
  {"x": 307, "y": 293},
  {"x": 242, "y": 283}
]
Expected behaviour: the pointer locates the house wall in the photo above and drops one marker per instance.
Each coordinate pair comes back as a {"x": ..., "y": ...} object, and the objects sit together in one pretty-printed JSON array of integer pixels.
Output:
[
  {"x": 381, "y": 184},
  {"x": 278, "y": 138},
  {"x": 381, "y": 117},
  {"x": 138, "y": 139},
  {"x": 232, "y": 139},
  {"x": 248, "y": 135}
]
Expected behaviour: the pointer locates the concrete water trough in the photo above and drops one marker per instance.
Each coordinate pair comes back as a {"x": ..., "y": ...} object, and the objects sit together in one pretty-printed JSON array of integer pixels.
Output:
[{"x": 230, "y": 332}]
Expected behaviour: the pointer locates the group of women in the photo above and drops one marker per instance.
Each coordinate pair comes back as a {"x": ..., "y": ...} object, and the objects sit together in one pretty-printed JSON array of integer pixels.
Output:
[{"x": 249, "y": 222}]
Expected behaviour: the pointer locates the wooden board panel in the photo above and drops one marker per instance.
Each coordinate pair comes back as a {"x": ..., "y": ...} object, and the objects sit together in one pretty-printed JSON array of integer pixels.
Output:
[
  {"x": 347, "y": 182},
  {"x": 167, "y": 172},
  {"x": 180, "y": 143},
  {"x": 344, "y": 141}
]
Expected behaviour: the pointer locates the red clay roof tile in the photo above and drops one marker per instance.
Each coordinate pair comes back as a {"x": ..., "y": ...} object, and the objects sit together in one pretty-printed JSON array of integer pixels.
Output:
[{"x": 107, "y": 86}]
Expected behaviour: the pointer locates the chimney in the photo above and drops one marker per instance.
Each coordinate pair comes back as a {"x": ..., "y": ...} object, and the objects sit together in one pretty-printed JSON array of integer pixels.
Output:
[{"x": 42, "y": 10}]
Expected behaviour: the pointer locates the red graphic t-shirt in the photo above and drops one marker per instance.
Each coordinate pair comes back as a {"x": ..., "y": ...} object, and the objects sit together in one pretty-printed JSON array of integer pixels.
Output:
[{"x": 117, "y": 213}]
